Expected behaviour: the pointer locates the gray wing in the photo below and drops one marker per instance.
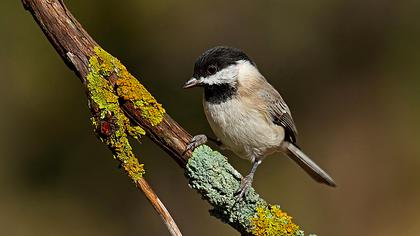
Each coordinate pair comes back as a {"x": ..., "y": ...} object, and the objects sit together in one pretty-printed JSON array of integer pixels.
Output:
[
  {"x": 279, "y": 111},
  {"x": 280, "y": 115}
]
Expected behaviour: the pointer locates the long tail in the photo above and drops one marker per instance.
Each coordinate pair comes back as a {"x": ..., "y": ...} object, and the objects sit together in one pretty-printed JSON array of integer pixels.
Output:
[{"x": 307, "y": 164}]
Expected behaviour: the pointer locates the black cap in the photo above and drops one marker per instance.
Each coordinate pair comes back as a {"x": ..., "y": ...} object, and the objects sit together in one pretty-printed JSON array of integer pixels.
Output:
[{"x": 216, "y": 59}]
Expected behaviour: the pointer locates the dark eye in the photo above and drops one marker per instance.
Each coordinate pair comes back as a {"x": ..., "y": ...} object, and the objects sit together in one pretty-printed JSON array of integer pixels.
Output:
[{"x": 212, "y": 69}]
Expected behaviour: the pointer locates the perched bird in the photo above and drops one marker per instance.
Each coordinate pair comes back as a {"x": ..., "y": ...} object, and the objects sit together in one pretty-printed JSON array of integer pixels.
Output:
[{"x": 246, "y": 113}]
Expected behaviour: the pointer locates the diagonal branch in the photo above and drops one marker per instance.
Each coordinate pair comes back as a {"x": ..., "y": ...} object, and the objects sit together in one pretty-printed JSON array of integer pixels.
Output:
[
  {"x": 121, "y": 106},
  {"x": 75, "y": 46},
  {"x": 159, "y": 207}
]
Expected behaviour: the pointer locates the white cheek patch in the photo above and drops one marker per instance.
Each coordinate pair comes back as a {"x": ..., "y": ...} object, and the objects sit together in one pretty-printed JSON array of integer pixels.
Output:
[
  {"x": 231, "y": 74},
  {"x": 225, "y": 76}
]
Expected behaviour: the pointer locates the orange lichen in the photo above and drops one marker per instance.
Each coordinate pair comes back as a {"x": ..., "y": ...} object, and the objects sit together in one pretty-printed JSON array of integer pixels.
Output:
[{"x": 271, "y": 221}]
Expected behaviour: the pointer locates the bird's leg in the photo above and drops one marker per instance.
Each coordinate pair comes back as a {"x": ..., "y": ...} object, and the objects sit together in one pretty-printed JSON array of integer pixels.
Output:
[
  {"x": 196, "y": 141},
  {"x": 246, "y": 182}
]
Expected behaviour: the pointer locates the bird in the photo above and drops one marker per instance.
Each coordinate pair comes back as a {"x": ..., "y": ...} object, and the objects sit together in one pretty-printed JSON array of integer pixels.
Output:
[{"x": 246, "y": 113}]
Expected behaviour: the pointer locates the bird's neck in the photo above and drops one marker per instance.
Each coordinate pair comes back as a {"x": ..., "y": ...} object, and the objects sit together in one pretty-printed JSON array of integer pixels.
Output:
[{"x": 219, "y": 93}]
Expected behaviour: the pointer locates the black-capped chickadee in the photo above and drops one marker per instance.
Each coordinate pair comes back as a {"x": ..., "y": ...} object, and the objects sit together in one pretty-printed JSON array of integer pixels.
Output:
[{"x": 246, "y": 113}]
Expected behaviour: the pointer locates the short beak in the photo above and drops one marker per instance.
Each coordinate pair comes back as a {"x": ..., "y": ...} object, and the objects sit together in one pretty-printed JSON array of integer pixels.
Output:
[{"x": 191, "y": 83}]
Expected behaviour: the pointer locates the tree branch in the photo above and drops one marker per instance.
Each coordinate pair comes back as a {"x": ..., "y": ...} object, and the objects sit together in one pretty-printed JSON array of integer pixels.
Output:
[
  {"x": 122, "y": 107},
  {"x": 159, "y": 207},
  {"x": 76, "y": 48}
]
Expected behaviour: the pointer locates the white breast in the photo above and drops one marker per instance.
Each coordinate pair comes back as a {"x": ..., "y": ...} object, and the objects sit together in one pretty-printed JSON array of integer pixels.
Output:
[{"x": 242, "y": 129}]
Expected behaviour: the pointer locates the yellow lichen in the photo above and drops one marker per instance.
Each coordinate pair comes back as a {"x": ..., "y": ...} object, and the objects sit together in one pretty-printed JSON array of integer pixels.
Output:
[
  {"x": 135, "y": 131},
  {"x": 129, "y": 88},
  {"x": 271, "y": 221},
  {"x": 110, "y": 123}
]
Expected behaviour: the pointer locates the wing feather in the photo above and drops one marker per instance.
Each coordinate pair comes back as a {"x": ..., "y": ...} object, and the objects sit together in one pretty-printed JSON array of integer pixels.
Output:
[{"x": 279, "y": 111}]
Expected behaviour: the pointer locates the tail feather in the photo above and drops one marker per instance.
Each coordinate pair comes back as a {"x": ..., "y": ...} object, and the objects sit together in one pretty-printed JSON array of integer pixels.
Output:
[{"x": 307, "y": 164}]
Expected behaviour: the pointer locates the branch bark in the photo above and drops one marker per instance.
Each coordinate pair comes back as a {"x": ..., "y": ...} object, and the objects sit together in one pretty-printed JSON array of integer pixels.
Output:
[
  {"x": 159, "y": 207},
  {"x": 75, "y": 46},
  {"x": 208, "y": 171}
]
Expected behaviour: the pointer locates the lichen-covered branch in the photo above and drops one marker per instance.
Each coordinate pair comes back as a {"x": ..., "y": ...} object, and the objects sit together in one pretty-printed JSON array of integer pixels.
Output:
[
  {"x": 122, "y": 107},
  {"x": 217, "y": 181},
  {"x": 108, "y": 84}
]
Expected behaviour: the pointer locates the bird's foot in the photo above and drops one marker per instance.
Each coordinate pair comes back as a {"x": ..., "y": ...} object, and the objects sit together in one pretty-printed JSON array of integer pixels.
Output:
[
  {"x": 246, "y": 184},
  {"x": 196, "y": 141}
]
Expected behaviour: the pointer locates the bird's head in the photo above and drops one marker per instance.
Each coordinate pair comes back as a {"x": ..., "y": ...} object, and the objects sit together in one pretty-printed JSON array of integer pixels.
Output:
[{"x": 219, "y": 66}]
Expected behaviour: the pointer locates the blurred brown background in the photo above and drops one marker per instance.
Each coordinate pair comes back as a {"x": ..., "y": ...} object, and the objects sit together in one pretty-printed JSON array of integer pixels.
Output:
[{"x": 348, "y": 69}]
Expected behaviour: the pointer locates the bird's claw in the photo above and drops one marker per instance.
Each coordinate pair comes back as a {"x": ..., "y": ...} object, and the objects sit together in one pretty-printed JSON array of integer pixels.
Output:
[
  {"x": 246, "y": 183},
  {"x": 196, "y": 141}
]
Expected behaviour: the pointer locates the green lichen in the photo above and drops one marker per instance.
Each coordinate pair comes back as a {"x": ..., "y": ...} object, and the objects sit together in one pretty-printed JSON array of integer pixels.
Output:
[
  {"x": 110, "y": 123},
  {"x": 210, "y": 174}
]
